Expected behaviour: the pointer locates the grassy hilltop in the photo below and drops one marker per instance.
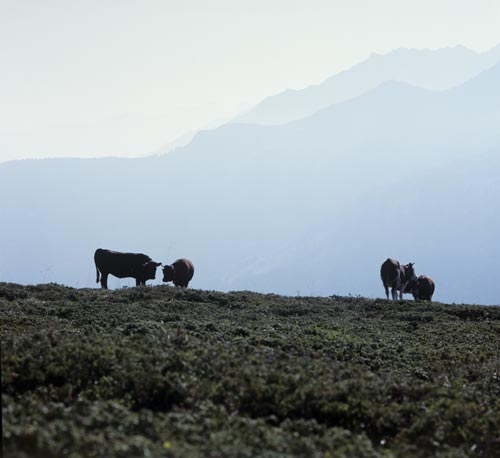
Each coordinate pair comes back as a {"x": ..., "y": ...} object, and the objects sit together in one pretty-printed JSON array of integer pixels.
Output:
[{"x": 184, "y": 373}]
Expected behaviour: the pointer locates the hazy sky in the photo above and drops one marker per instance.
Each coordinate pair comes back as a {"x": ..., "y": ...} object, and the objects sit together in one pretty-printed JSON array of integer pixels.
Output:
[{"x": 125, "y": 77}]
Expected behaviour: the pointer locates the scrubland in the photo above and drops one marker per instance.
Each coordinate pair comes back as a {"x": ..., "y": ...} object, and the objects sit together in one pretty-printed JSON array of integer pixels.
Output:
[{"x": 166, "y": 372}]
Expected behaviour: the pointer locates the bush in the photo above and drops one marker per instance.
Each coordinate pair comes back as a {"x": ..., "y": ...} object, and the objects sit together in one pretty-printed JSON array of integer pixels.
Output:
[{"x": 185, "y": 373}]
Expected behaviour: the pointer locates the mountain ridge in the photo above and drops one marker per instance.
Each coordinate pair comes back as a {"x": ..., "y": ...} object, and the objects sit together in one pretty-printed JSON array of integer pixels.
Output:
[
  {"x": 295, "y": 104},
  {"x": 389, "y": 173}
]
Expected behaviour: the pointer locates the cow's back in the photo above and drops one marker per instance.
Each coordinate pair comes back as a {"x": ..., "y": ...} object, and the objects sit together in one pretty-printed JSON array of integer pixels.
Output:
[
  {"x": 118, "y": 263},
  {"x": 425, "y": 288},
  {"x": 389, "y": 271},
  {"x": 184, "y": 271}
]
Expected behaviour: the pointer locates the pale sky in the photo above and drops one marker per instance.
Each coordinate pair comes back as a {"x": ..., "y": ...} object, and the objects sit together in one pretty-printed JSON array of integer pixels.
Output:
[{"x": 125, "y": 77}]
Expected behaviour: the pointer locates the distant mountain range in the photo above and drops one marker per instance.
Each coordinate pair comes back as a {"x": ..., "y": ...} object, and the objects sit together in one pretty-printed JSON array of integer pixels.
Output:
[
  {"x": 313, "y": 206},
  {"x": 435, "y": 70}
]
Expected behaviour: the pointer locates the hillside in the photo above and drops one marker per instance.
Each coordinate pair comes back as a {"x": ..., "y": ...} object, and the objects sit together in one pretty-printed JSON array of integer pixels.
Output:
[
  {"x": 189, "y": 373},
  {"x": 313, "y": 207}
]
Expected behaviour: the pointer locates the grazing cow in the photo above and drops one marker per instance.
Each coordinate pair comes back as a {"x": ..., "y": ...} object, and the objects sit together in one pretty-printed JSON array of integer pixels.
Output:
[
  {"x": 180, "y": 272},
  {"x": 124, "y": 265},
  {"x": 398, "y": 277},
  {"x": 423, "y": 288}
]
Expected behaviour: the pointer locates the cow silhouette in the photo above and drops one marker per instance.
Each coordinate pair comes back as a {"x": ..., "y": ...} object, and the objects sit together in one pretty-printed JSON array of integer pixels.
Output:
[
  {"x": 397, "y": 277},
  {"x": 124, "y": 265},
  {"x": 180, "y": 272},
  {"x": 423, "y": 288}
]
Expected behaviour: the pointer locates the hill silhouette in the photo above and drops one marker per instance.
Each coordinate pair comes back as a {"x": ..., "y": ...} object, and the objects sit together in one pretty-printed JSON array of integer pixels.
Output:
[
  {"x": 438, "y": 69},
  {"x": 313, "y": 206}
]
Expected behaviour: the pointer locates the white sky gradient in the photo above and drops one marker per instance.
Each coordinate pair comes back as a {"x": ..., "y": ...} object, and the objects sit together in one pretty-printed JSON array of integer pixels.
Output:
[{"x": 125, "y": 77}]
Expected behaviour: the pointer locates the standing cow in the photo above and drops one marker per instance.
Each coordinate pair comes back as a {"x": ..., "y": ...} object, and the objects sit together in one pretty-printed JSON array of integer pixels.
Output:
[
  {"x": 180, "y": 272},
  {"x": 423, "y": 288},
  {"x": 124, "y": 265},
  {"x": 398, "y": 277}
]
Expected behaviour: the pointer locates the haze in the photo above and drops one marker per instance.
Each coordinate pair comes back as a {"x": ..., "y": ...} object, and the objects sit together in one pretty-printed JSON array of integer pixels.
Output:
[
  {"x": 127, "y": 78},
  {"x": 387, "y": 145}
]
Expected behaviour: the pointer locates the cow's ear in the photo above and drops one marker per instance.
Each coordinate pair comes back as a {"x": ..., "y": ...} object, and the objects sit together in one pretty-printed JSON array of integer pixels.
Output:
[{"x": 157, "y": 264}]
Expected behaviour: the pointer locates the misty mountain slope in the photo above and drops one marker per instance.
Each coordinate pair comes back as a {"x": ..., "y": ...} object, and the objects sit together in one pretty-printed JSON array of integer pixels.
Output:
[
  {"x": 446, "y": 222},
  {"x": 312, "y": 206},
  {"x": 436, "y": 70}
]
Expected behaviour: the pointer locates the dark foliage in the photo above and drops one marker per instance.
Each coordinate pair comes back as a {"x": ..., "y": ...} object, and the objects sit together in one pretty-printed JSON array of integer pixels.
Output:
[{"x": 185, "y": 373}]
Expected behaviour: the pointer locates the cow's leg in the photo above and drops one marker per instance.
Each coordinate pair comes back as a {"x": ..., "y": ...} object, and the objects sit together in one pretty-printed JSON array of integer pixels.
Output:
[
  {"x": 386, "y": 292},
  {"x": 137, "y": 282},
  {"x": 400, "y": 294},
  {"x": 394, "y": 292},
  {"x": 104, "y": 280}
]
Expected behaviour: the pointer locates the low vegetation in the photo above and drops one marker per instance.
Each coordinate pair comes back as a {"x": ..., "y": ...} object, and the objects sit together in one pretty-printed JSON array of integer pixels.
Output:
[{"x": 166, "y": 372}]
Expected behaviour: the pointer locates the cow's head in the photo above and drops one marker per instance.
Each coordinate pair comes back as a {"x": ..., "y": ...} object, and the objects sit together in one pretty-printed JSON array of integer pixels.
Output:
[
  {"x": 148, "y": 270},
  {"x": 168, "y": 273},
  {"x": 409, "y": 277},
  {"x": 413, "y": 287}
]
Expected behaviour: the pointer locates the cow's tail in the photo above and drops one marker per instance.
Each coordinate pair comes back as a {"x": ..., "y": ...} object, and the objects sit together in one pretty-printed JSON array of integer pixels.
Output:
[{"x": 97, "y": 271}]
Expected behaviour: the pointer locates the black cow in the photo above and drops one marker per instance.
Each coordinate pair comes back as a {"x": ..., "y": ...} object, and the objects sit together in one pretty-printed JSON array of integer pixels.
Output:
[
  {"x": 423, "y": 288},
  {"x": 124, "y": 265},
  {"x": 180, "y": 272},
  {"x": 398, "y": 277}
]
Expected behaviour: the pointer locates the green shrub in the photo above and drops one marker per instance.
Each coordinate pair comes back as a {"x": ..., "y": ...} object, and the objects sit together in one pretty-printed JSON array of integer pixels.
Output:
[{"x": 184, "y": 373}]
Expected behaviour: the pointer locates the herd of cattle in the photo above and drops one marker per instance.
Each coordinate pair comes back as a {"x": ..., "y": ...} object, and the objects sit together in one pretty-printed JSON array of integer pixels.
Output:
[
  {"x": 401, "y": 278},
  {"x": 395, "y": 276}
]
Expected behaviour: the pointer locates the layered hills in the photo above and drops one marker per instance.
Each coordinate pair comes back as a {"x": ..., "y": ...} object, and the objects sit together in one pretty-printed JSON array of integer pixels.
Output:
[{"x": 312, "y": 206}]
